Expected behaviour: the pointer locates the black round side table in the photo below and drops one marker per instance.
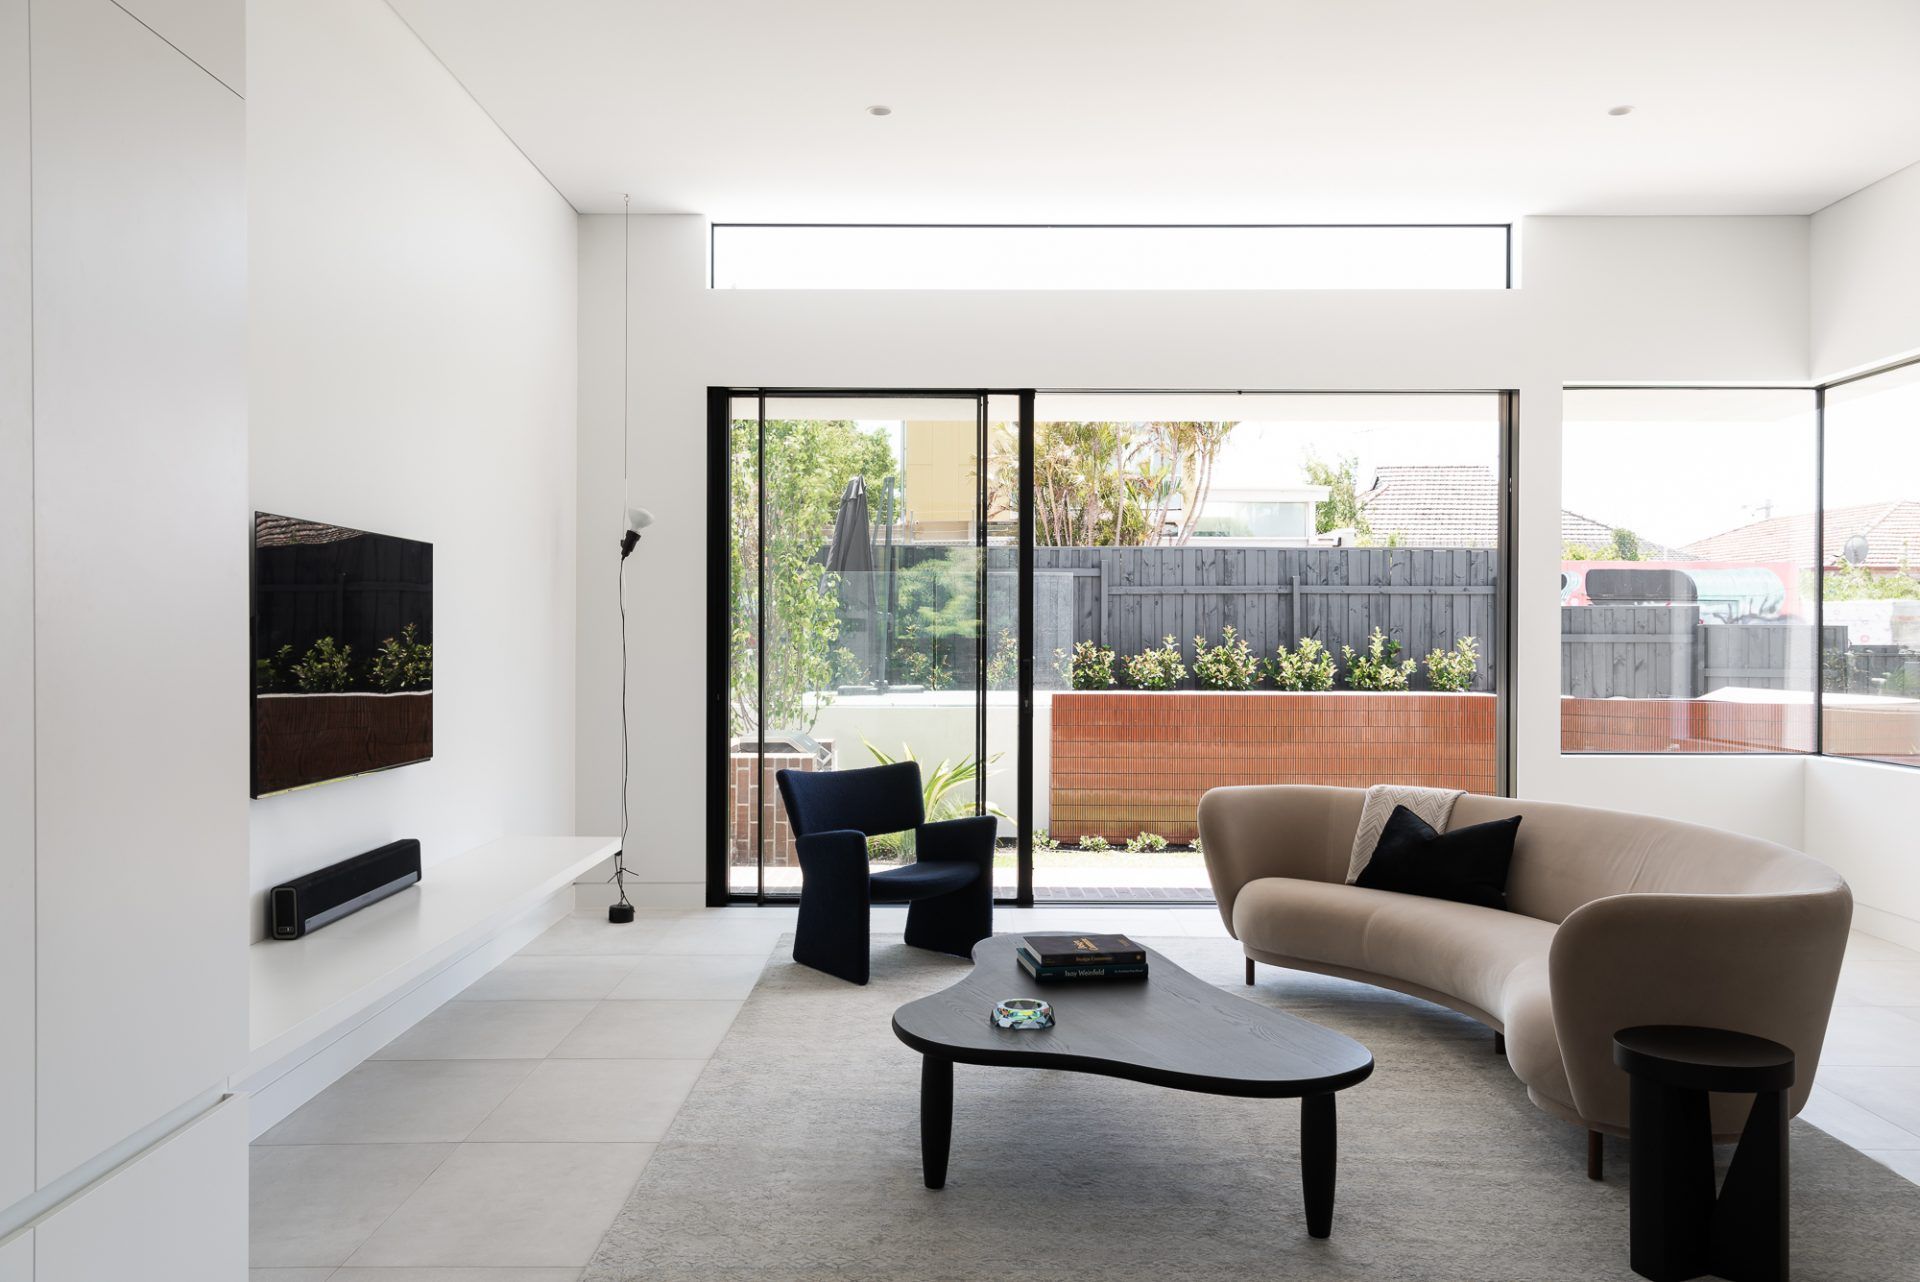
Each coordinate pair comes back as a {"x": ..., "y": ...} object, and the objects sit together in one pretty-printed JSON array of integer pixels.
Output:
[{"x": 1680, "y": 1230}]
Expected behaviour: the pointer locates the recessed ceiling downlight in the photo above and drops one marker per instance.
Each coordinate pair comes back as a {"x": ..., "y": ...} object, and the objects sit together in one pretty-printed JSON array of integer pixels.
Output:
[
  {"x": 879, "y": 109},
  {"x": 1622, "y": 110}
]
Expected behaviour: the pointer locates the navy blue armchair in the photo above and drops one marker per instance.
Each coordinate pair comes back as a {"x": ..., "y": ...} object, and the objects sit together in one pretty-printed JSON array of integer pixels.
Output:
[{"x": 948, "y": 889}]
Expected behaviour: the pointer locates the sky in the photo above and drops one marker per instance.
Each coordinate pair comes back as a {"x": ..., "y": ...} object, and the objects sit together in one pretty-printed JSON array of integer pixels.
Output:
[{"x": 1674, "y": 466}]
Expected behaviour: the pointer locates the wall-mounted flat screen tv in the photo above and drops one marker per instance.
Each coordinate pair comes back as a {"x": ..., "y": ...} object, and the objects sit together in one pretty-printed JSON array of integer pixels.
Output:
[{"x": 342, "y": 652}]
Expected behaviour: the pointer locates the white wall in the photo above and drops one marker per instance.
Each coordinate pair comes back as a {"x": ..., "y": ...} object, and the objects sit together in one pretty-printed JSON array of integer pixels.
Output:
[
  {"x": 122, "y": 576},
  {"x": 1701, "y": 299},
  {"x": 1859, "y": 818},
  {"x": 140, "y": 569},
  {"x": 1866, "y": 311},
  {"x": 1866, "y": 277},
  {"x": 16, "y": 611},
  {"x": 413, "y": 372}
]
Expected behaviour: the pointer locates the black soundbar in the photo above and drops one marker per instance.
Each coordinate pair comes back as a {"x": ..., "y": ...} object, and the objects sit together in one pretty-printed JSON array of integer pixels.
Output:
[{"x": 305, "y": 904}]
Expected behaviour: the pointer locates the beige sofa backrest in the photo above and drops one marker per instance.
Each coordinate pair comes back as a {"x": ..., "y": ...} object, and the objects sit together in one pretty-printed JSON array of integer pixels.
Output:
[
  {"x": 1564, "y": 856},
  {"x": 1567, "y": 856}
]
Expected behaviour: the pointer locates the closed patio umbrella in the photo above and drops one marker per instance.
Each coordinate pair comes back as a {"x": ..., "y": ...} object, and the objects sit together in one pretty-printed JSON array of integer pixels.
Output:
[{"x": 851, "y": 556}]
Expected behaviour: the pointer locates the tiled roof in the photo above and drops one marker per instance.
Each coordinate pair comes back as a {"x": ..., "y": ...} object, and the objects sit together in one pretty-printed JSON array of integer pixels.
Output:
[
  {"x": 1453, "y": 505},
  {"x": 1892, "y": 532}
]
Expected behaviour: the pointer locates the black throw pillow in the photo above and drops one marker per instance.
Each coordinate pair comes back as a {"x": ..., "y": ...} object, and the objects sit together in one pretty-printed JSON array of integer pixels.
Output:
[{"x": 1467, "y": 865}]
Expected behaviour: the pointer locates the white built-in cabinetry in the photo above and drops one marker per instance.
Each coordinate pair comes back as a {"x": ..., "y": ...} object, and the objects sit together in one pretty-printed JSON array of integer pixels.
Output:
[{"x": 123, "y": 595}]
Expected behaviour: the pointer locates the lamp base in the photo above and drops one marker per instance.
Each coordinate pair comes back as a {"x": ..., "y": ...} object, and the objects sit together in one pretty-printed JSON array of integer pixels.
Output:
[{"x": 620, "y": 914}]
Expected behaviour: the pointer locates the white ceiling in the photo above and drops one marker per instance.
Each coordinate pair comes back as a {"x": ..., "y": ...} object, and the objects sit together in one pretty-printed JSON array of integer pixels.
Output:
[{"x": 1201, "y": 110}]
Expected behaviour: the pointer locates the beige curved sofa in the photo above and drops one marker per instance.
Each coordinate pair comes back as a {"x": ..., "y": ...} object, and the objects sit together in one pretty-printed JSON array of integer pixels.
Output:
[{"x": 1615, "y": 920}]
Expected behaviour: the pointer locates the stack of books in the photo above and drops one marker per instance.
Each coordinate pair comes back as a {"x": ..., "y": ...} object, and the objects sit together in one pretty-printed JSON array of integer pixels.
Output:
[{"x": 1059, "y": 957}]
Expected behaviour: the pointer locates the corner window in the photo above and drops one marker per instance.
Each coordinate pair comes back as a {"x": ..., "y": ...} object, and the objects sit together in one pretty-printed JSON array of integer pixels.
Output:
[
  {"x": 1870, "y": 568},
  {"x": 1687, "y": 575}
]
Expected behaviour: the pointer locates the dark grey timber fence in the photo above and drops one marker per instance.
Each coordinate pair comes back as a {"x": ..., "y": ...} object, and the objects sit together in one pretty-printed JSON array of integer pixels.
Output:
[
  {"x": 1424, "y": 598},
  {"x": 1666, "y": 652}
]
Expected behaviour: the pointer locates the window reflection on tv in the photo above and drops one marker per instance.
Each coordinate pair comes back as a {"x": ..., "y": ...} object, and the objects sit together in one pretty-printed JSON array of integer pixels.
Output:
[{"x": 342, "y": 652}]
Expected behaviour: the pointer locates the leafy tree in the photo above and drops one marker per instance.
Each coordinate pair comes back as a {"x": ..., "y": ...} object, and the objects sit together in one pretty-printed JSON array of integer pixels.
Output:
[
  {"x": 1341, "y": 509},
  {"x": 1622, "y": 545},
  {"x": 1102, "y": 484},
  {"x": 1849, "y": 582},
  {"x": 808, "y": 464}
]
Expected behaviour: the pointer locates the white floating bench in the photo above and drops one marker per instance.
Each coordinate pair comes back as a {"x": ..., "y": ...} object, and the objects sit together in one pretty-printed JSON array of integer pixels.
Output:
[{"x": 321, "y": 1004}]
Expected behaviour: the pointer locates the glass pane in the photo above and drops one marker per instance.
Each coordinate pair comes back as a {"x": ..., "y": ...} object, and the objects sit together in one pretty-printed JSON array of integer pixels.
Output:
[
  {"x": 871, "y": 620},
  {"x": 745, "y": 823},
  {"x": 1002, "y": 626},
  {"x": 1871, "y": 572},
  {"x": 1685, "y": 585},
  {"x": 1253, "y": 589},
  {"x": 760, "y": 256}
]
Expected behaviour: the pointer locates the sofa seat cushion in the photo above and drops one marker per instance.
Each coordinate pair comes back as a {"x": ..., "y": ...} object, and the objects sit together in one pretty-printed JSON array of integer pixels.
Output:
[{"x": 1462, "y": 950}]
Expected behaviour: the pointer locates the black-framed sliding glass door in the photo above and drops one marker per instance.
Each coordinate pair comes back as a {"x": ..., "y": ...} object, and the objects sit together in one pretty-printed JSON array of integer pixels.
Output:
[
  {"x": 1081, "y": 610},
  {"x": 864, "y": 609}
]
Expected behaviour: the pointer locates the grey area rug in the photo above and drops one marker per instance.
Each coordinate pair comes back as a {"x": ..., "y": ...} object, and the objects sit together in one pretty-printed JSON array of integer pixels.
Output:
[{"x": 797, "y": 1157}]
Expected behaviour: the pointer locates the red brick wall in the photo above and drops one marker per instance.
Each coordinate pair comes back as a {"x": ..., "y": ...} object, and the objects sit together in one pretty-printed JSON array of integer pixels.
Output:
[
  {"x": 743, "y": 794},
  {"x": 1128, "y": 761},
  {"x": 1891, "y": 732}
]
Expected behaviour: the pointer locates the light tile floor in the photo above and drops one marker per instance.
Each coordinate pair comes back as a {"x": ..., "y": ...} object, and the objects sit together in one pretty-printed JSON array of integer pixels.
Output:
[{"x": 496, "y": 1140}]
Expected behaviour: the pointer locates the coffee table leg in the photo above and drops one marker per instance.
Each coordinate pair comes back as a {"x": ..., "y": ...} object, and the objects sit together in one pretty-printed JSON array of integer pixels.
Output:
[
  {"x": 1318, "y": 1150},
  {"x": 936, "y": 1118}
]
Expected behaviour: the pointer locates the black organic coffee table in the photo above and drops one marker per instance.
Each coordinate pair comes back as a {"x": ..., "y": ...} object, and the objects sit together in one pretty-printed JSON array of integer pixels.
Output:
[{"x": 1173, "y": 1030}]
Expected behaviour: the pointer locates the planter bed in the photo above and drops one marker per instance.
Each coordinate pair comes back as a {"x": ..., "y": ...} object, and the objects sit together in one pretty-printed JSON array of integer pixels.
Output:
[
  {"x": 1132, "y": 761},
  {"x": 301, "y": 739}
]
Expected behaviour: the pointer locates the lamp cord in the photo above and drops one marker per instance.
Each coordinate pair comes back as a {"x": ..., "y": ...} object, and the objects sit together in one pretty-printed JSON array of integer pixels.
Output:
[{"x": 619, "y": 877}]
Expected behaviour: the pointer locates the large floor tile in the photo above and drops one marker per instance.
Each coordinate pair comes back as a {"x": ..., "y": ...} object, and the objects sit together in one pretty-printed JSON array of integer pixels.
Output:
[
  {"x": 649, "y": 1030},
  {"x": 578, "y": 978},
  {"x": 314, "y": 1205},
  {"x": 518, "y": 1205},
  {"x": 1889, "y": 1093},
  {"x": 745, "y": 931},
  {"x": 594, "y": 1100},
  {"x": 457, "y": 1275},
  {"x": 1879, "y": 983},
  {"x": 488, "y": 1030},
  {"x": 403, "y": 1101},
  {"x": 1905, "y": 1161},
  {"x": 290, "y": 1275},
  {"x": 721, "y": 977},
  {"x": 586, "y": 935},
  {"x": 1871, "y": 1036},
  {"x": 1864, "y": 947},
  {"x": 1853, "y": 1124}
]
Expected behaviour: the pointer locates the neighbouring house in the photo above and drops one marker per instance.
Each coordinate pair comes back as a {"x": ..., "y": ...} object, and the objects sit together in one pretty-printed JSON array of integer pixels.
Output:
[
  {"x": 1458, "y": 505},
  {"x": 1887, "y": 534},
  {"x": 1280, "y": 515}
]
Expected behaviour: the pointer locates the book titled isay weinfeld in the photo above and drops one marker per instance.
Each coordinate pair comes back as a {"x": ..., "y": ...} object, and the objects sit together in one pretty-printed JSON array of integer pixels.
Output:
[
  {"x": 1093, "y": 971},
  {"x": 1083, "y": 950}
]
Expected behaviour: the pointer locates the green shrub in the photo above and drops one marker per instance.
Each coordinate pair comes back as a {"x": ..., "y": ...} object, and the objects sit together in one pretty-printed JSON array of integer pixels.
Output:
[
  {"x": 1146, "y": 841},
  {"x": 1094, "y": 841},
  {"x": 1308, "y": 667},
  {"x": 946, "y": 792},
  {"x": 402, "y": 663},
  {"x": 1380, "y": 667},
  {"x": 1157, "y": 668},
  {"x": 1227, "y": 666},
  {"x": 326, "y": 668},
  {"x": 1453, "y": 669},
  {"x": 270, "y": 674},
  {"x": 1091, "y": 666},
  {"x": 1043, "y": 840}
]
